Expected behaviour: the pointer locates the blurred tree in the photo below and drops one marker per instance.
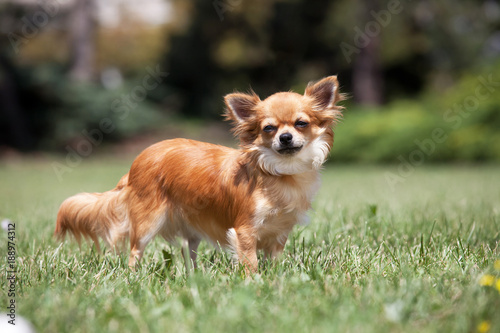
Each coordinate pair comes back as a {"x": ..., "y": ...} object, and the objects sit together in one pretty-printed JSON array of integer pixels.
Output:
[
  {"x": 367, "y": 81},
  {"x": 421, "y": 45},
  {"x": 82, "y": 40},
  {"x": 382, "y": 50},
  {"x": 41, "y": 107},
  {"x": 455, "y": 36},
  {"x": 271, "y": 45},
  {"x": 15, "y": 129}
]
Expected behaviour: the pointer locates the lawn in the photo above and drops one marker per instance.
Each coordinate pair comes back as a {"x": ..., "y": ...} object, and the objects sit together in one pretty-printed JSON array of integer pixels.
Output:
[{"x": 415, "y": 257}]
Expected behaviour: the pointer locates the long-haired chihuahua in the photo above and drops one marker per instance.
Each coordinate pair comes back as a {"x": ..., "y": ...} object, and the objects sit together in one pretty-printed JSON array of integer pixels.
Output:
[{"x": 245, "y": 199}]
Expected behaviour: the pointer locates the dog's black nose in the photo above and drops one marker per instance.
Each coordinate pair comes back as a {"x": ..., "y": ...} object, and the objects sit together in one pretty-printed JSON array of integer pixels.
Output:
[{"x": 286, "y": 139}]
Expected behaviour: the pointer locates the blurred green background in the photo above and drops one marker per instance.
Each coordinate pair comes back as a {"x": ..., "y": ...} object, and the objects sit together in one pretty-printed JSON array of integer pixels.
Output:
[{"x": 87, "y": 76}]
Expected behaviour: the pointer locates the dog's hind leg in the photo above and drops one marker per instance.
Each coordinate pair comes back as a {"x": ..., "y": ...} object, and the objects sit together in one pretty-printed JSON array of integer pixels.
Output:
[
  {"x": 274, "y": 251},
  {"x": 190, "y": 245},
  {"x": 144, "y": 226},
  {"x": 136, "y": 251}
]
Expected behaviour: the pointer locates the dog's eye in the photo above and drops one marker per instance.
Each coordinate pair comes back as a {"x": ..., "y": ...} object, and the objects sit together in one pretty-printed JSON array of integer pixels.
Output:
[
  {"x": 301, "y": 124},
  {"x": 269, "y": 128}
]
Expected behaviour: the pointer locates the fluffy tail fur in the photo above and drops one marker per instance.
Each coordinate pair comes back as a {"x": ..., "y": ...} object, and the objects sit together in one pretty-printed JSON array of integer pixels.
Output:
[{"x": 94, "y": 215}]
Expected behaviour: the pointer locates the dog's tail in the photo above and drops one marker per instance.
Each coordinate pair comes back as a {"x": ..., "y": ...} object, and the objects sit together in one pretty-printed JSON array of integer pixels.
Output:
[{"x": 94, "y": 215}]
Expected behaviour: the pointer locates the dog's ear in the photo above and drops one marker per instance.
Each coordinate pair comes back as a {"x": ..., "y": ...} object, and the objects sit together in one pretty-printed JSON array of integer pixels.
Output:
[
  {"x": 241, "y": 107},
  {"x": 324, "y": 93}
]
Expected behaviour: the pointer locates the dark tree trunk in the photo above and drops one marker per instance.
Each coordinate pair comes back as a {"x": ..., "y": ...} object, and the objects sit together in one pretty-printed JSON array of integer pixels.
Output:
[
  {"x": 18, "y": 129},
  {"x": 82, "y": 30},
  {"x": 367, "y": 75}
]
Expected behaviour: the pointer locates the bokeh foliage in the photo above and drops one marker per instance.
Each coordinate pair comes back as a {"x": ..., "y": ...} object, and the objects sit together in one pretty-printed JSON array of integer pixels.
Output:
[
  {"x": 426, "y": 57},
  {"x": 469, "y": 125}
]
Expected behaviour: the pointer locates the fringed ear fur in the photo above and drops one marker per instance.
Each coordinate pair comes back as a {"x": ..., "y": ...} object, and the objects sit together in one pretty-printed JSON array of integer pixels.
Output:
[
  {"x": 325, "y": 96},
  {"x": 240, "y": 107},
  {"x": 324, "y": 92},
  {"x": 241, "y": 111}
]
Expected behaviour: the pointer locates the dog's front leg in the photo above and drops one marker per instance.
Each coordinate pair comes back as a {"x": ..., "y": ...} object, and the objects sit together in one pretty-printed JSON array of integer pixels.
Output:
[
  {"x": 276, "y": 249},
  {"x": 246, "y": 248},
  {"x": 189, "y": 247}
]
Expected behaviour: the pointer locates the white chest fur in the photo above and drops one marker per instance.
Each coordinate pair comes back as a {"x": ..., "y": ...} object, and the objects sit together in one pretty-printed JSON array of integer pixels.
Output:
[{"x": 282, "y": 205}]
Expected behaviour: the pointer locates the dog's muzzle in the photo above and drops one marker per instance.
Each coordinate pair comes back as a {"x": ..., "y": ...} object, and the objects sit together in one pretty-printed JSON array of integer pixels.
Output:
[{"x": 289, "y": 150}]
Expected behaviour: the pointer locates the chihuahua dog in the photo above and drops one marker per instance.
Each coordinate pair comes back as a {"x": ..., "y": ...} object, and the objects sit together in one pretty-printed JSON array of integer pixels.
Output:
[{"x": 245, "y": 199}]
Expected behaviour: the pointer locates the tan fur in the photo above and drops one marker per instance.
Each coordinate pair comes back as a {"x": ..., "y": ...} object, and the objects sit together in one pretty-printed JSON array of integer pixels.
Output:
[{"x": 244, "y": 199}]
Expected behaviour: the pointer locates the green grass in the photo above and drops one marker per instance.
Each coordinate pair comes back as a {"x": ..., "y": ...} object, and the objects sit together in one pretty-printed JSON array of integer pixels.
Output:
[{"x": 372, "y": 259}]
